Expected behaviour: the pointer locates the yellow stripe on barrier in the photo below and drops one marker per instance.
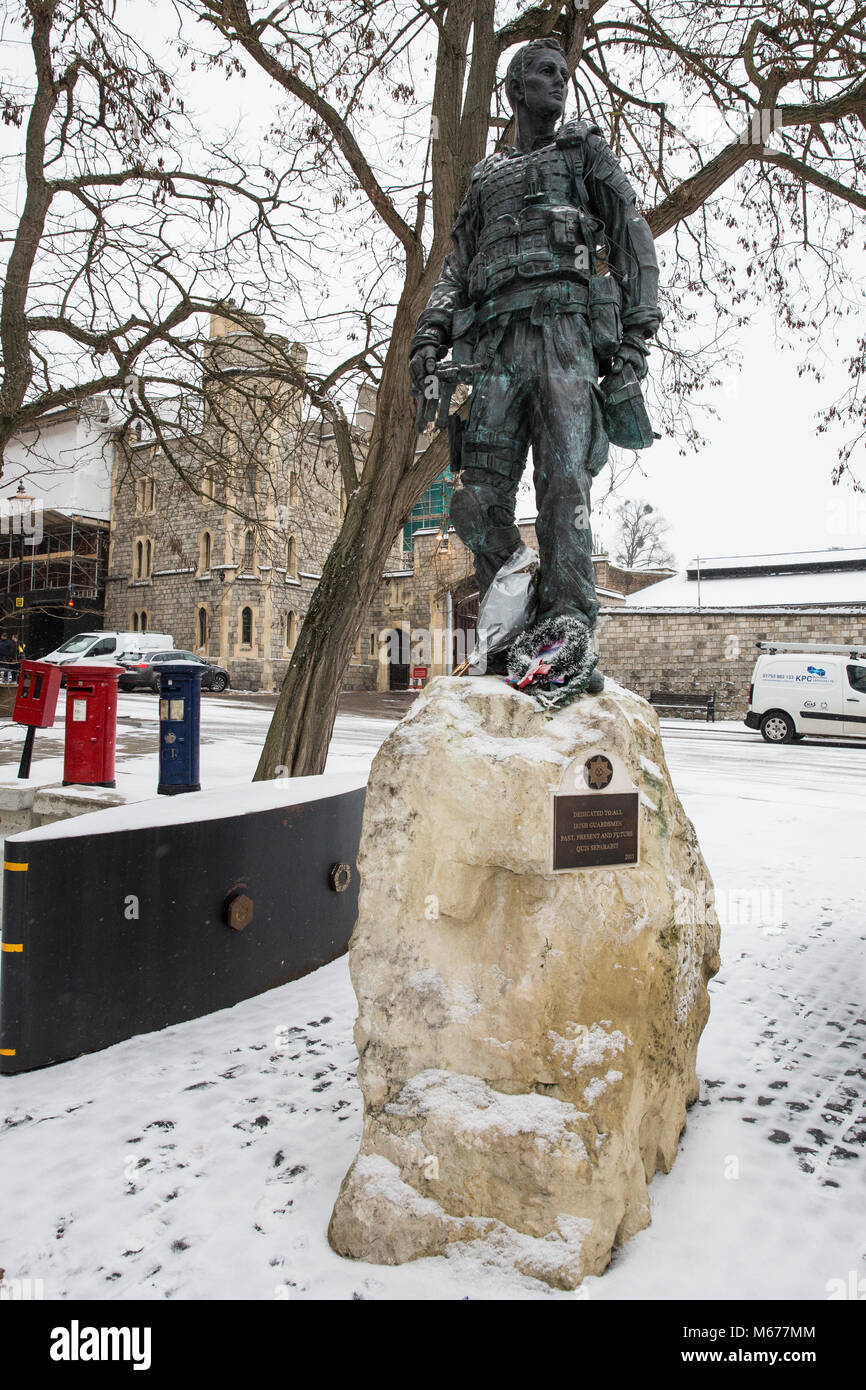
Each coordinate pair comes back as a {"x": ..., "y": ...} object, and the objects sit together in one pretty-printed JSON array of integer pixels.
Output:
[
  {"x": 22, "y": 868},
  {"x": 10, "y": 947},
  {"x": 7, "y": 1051}
]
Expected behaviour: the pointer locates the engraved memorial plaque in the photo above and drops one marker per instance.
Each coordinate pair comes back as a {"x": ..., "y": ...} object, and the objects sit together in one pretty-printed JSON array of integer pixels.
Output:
[{"x": 598, "y": 823}]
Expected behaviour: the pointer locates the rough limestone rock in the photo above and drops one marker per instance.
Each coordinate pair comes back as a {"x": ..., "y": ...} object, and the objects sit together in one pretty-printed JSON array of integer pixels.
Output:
[{"x": 527, "y": 1039}]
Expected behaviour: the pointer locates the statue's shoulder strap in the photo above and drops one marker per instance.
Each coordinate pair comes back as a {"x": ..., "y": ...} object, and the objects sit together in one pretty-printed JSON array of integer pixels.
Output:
[
  {"x": 571, "y": 138},
  {"x": 573, "y": 134}
]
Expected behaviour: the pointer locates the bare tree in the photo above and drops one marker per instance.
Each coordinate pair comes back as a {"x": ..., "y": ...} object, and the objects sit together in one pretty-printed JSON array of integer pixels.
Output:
[
  {"x": 127, "y": 230},
  {"x": 639, "y": 540}
]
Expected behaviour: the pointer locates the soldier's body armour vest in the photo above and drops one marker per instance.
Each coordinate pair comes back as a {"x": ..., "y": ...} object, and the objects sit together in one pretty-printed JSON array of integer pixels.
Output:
[{"x": 534, "y": 226}]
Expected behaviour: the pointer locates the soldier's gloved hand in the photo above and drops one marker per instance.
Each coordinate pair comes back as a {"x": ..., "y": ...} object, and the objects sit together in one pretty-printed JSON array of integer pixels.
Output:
[
  {"x": 632, "y": 352},
  {"x": 423, "y": 361}
]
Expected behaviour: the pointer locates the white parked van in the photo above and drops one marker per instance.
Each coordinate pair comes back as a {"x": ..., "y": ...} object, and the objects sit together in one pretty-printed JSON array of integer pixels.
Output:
[
  {"x": 799, "y": 688},
  {"x": 104, "y": 648}
]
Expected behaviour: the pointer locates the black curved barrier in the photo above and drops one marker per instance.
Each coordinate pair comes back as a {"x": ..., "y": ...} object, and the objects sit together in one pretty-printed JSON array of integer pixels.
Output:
[{"x": 123, "y": 921}]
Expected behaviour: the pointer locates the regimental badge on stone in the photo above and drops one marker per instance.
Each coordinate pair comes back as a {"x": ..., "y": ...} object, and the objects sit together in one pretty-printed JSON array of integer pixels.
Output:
[{"x": 596, "y": 817}]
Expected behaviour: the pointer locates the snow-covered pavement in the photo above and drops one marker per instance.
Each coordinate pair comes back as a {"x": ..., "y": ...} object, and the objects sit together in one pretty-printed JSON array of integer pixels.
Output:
[
  {"x": 203, "y": 1161},
  {"x": 232, "y": 733}
]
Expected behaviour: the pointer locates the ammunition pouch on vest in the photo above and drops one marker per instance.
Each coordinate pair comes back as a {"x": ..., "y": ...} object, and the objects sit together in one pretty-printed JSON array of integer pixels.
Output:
[{"x": 542, "y": 240}]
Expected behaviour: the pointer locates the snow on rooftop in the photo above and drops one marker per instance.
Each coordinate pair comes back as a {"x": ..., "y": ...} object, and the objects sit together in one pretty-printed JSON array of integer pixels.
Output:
[
  {"x": 754, "y": 590},
  {"x": 846, "y": 555}
]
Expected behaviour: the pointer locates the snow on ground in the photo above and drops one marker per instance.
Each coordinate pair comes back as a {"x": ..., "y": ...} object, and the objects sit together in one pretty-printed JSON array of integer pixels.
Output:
[
  {"x": 202, "y": 1161},
  {"x": 232, "y": 733}
]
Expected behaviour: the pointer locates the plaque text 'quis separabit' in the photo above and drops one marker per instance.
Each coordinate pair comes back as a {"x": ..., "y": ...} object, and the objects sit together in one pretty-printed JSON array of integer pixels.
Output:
[{"x": 589, "y": 831}]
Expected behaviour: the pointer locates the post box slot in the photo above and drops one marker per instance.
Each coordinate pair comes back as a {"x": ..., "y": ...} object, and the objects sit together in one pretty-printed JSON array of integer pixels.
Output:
[
  {"x": 37, "y": 686},
  {"x": 25, "y": 685}
]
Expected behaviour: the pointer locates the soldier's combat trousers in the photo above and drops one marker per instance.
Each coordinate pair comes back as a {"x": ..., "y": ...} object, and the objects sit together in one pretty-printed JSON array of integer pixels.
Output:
[{"x": 540, "y": 389}]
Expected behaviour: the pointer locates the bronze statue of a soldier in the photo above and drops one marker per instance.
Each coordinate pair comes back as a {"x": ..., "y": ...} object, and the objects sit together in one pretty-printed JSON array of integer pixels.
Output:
[{"x": 552, "y": 283}]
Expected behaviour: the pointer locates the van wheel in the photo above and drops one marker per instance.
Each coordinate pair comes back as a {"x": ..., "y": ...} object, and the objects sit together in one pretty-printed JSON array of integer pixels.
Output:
[{"x": 778, "y": 727}]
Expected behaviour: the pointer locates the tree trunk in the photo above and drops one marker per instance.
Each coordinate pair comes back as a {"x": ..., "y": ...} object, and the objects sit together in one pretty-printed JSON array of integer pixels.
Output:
[{"x": 391, "y": 481}]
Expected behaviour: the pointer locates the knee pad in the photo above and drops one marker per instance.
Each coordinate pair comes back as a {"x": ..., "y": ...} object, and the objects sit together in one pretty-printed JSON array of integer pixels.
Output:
[
  {"x": 484, "y": 520},
  {"x": 468, "y": 516}
]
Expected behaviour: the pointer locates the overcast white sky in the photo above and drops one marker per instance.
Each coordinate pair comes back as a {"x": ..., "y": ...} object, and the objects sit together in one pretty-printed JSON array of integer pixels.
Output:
[{"x": 764, "y": 481}]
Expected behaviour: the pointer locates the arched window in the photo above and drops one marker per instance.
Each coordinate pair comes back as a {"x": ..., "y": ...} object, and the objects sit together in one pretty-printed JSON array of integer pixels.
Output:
[
  {"x": 204, "y": 552},
  {"x": 142, "y": 622},
  {"x": 291, "y": 559},
  {"x": 135, "y": 622},
  {"x": 202, "y": 627},
  {"x": 142, "y": 559},
  {"x": 247, "y": 627},
  {"x": 144, "y": 494},
  {"x": 252, "y": 477},
  {"x": 249, "y": 546},
  {"x": 207, "y": 484},
  {"x": 291, "y": 630}
]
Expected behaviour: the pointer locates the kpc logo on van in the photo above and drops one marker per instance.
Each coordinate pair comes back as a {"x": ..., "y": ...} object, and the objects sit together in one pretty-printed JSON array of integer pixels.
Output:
[{"x": 815, "y": 675}]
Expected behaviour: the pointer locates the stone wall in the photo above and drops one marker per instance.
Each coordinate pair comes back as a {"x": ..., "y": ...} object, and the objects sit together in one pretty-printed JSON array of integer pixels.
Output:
[
  {"x": 710, "y": 650},
  {"x": 609, "y": 575}
]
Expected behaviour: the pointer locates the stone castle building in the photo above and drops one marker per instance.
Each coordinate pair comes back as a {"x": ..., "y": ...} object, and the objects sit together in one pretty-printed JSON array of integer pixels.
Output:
[{"x": 223, "y": 547}]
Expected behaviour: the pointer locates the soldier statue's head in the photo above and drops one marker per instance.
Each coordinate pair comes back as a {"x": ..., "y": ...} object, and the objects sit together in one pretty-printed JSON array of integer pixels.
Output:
[{"x": 536, "y": 79}]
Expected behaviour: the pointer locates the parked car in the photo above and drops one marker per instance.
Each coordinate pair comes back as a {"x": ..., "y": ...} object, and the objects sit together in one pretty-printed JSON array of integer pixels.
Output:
[
  {"x": 795, "y": 692},
  {"x": 139, "y": 670},
  {"x": 102, "y": 648}
]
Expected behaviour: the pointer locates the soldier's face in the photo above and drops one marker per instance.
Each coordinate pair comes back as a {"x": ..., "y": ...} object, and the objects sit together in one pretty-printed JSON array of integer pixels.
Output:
[{"x": 545, "y": 81}]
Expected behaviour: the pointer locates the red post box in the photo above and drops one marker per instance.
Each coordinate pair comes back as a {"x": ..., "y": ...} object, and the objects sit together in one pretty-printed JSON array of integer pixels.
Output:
[
  {"x": 38, "y": 688},
  {"x": 91, "y": 725},
  {"x": 35, "y": 704}
]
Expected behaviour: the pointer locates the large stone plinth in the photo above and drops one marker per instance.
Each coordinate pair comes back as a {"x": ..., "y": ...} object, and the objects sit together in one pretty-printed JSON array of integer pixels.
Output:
[{"x": 527, "y": 1038}]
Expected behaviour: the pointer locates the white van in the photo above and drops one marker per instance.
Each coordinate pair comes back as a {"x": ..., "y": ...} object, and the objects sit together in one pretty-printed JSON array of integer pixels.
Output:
[
  {"x": 799, "y": 688},
  {"x": 104, "y": 648}
]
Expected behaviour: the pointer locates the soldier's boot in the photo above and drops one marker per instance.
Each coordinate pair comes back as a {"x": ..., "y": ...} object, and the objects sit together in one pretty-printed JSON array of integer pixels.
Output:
[{"x": 595, "y": 684}]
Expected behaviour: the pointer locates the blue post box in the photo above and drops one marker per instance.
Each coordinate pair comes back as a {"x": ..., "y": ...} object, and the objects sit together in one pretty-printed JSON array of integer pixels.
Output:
[{"x": 179, "y": 726}]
